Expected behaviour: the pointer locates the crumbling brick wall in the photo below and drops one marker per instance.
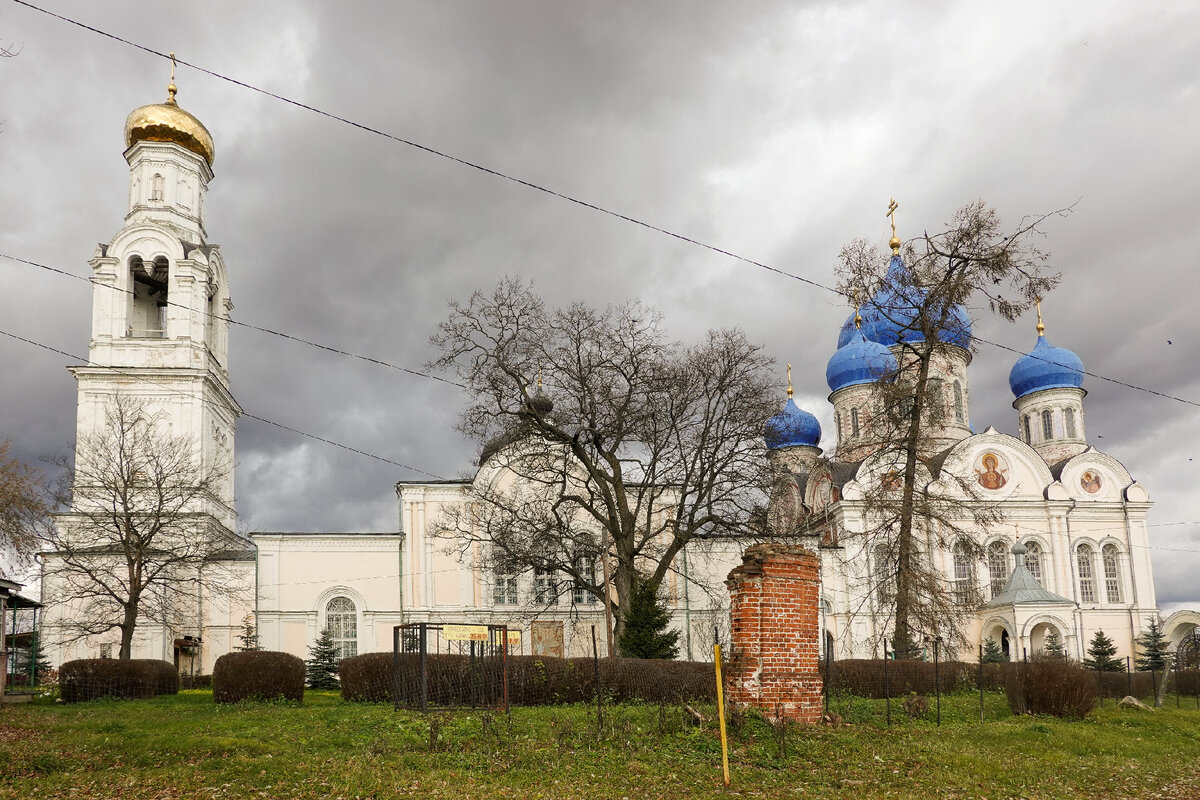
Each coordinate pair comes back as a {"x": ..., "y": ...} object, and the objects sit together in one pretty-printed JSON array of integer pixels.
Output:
[{"x": 776, "y": 632}]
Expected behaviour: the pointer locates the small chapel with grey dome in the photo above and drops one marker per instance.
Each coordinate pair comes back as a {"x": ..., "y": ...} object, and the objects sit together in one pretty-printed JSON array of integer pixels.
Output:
[{"x": 1069, "y": 557}]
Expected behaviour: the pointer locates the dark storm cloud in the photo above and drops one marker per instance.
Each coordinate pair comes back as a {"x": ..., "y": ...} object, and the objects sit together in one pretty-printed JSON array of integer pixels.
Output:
[{"x": 775, "y": 130}]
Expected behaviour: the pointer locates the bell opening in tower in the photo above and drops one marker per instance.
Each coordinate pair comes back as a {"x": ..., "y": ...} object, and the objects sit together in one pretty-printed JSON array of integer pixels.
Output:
[{"x": 148, "y": 298}]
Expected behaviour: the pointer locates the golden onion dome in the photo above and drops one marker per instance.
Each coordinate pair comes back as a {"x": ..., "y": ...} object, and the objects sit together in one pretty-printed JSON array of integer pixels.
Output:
[{"x": 167, "y": 122}]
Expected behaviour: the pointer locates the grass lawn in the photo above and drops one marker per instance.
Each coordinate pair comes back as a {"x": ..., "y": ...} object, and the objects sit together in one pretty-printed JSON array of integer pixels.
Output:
[{"x": 187, "y": 747}]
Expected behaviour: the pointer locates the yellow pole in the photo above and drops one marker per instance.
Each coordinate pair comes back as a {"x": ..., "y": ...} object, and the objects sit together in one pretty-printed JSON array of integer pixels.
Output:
[{"x": 721, "y": 714}]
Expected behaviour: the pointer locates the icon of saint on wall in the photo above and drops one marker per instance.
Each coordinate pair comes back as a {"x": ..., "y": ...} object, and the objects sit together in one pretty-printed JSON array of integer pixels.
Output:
[
  {"x": 1090, "y": 481},
  {"x": 992, "y": 475}
]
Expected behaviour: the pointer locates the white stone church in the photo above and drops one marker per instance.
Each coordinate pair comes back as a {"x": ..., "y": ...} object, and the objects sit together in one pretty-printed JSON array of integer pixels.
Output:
[{"x": 160, "y": 335}]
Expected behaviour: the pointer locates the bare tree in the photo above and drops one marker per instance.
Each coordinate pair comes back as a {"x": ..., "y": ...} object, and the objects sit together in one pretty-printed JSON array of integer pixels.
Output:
[
  {"x": 616, "y": 441},
  {"x": 922, "y": 302},
  {"x": 138, "y": 542},
  {"x": 24, "y": 507}
]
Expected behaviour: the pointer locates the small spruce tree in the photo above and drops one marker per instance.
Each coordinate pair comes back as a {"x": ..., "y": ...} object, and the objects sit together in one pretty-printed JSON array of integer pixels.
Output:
[
  {"x": 646, "y": 634},
  {"x": 992, "y": 654},
  {"x": 1102, "y": 654},
  {"x": 321, "y": 668},
  {"x": 248, "y": 637},
  {"x": 1053, "y": 644},
  {"x": 1153, "y": 646}
]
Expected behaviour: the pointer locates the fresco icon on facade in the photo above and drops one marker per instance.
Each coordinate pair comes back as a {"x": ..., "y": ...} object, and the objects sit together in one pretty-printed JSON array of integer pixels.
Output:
[
  {"x": 1090, "y": 481},
  {"x": 992, "y": 475}
]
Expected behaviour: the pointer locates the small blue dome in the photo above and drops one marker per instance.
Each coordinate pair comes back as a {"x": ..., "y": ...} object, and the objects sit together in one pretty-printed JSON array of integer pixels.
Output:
[
  {"x": 860, "y": 360},
  {"x": 1046, "y": 367},
  {"x": 791, "y": 427},
  {"x": 885, "y": 318}
]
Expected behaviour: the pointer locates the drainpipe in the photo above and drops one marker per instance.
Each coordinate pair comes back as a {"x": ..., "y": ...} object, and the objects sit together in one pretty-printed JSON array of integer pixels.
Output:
[
  {"x": 400, "y": 578},
  {"x": 1071, "y": 559}
]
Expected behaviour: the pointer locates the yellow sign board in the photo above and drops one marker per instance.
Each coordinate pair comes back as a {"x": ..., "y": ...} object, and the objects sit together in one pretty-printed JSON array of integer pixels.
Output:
[
  {"x": 475, "y": 633},
  {"x": 465, "y": 633}
]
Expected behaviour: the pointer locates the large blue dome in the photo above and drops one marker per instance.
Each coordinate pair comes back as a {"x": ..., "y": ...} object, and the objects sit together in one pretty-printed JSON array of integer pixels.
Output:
[
  {"x": 792, "y": 427},
  {"x": 1046, "y": 367},
  {"x": 860, "y": 360},
  {"x": 885, "y": 318}
]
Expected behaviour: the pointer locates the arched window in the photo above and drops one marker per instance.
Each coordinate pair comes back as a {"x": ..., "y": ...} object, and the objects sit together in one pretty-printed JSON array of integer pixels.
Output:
[
  {"x": 936, "y": 395},
  {"x": 1087, "y": 574},
  {"x": 1025, "y": 424},
  {"x": 883, "y": 574},
  {"x": 156, "y": 190},
  {"x": 1033, "y": 560},
  {"x": 964, "y": 573},
  {"x": 1047, "y": 425},
  {"x": 341, "y": 620},
  {"x": 1069, "y": 417},
  {"x": 854, "y": 421},
  {"x": 960, "y": 410},
  {"x": 837, "y": 423},
  {"x": 997, "y": 557},
  {"x": 1112, "y": 578}
]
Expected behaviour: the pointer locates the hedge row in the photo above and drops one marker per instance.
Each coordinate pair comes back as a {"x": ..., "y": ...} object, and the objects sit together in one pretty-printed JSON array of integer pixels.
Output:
[
  {"x": 257, "y": 675},
  {"x": 865, "y": 678},
  {"x": 454, "y": 680},
  {"x": 91, "y": 678}
]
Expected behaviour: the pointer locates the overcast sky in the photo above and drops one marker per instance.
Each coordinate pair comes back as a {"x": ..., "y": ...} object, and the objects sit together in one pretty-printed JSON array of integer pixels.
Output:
[{"x": 777, "y": 131}]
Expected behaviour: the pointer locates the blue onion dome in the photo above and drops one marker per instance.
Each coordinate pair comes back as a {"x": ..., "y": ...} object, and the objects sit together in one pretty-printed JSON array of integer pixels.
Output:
[
  {"x": 886, "y": 316},
  {"x": 792, "y": 427},
  {"x": 860, "y": 360},
  {"x": 1046, "y": 367}
]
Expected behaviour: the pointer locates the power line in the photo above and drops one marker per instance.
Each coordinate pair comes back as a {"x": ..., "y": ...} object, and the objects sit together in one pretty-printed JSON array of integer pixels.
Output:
[
  {"x": 537, "y": 187},
  {"x": 133, "y": 372},
  {"x": 231, "y": 321}
]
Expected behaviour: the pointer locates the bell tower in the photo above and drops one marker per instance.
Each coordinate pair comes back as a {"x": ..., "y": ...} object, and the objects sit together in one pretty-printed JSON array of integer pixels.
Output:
[{"x": 161, "y": 302}]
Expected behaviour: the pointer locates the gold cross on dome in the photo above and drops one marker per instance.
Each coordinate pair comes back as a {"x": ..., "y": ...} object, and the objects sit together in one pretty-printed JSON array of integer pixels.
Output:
[
  {"x": 171, "y": 90},
  {"x": 1041, "y": 328},
  {"x": 789, "y": 373},
  {"x": 891, "y": 214}
]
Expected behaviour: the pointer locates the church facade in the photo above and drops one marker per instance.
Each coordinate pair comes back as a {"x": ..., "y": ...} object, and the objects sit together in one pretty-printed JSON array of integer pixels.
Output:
[{"x": 1070, "y": 556}]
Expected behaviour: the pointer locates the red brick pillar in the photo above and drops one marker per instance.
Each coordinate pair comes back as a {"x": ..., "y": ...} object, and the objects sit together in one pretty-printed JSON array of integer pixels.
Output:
[{"x": 776, "y": 632}]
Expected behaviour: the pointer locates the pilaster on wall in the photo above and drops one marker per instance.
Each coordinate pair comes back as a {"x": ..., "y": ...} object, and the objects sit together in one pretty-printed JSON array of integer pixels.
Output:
[{"x": 776, "y": 632}]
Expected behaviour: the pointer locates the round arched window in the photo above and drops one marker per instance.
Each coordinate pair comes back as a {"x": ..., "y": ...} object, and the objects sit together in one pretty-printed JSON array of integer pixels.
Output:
[{"x": 341, "y": 620}]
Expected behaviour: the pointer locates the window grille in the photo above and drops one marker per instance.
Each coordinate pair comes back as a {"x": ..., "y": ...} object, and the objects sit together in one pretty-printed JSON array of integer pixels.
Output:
[
  {"x": 1028, "y": 429},
  {"x": 960, "y": 411},
  {"x": 341, "y": 620},
  {"x": 964, "y": 574},
  {"x": 1087, "y": 578},
  {"x": 1069, "y": 416},
  {"x": 884, "y": 572},
  {"x": 854, "y": 422},
  {"x": 997, "y": 566},
  {"x": 1047, "y": 425},
  {"x": 545, "y": 588},
  {"x": 586, "y": 569},
  {"x": 504, "y": 589},
  {"x": 937, "y": 409},
  {"x": 1112, "y": 578},
  {"x": 1033, "y": 560}
]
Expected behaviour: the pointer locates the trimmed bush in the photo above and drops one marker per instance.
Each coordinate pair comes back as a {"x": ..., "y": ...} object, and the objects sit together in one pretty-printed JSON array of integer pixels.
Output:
[
  {"x": 166, "y": 677},
  {"x": 257, "y": 675},
  {"x": 1119, "y": 684},
  {"x": 1051, "y": 684},
  {"x": 91, "y": 678},
  {"x": 452, "y": 680}
]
